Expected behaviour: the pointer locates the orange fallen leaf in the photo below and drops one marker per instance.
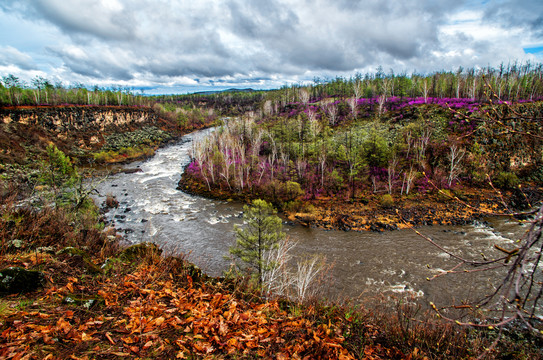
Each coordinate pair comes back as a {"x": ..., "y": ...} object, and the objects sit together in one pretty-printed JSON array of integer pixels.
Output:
[
  {"x": 128, "y": 340},
  {"x": 64, "y": 325},
  {"x": 85, "y": 337},
  {"x": 78, "y": 358},
  {"x": 159, "y": 321},
  {"x": 108, "y": 336},
  {"x": 232, "y": 342}
]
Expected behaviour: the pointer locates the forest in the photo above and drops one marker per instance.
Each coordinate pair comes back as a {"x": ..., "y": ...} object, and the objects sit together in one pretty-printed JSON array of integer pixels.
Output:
[{"x": 382, "y": 138}]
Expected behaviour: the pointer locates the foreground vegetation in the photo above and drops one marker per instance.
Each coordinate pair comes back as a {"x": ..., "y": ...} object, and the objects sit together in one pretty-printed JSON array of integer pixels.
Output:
[{"x": 98, "y": 299}]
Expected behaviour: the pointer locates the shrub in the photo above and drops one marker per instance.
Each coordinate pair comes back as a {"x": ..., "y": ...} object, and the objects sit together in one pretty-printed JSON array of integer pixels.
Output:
[
  {"x": 387, "y": 201},
  {"x": 283, "y": 192},
  {"x": 445, "y": 195},
  {"x": 293, "y": 206},
  {"x": 105, "y": 156},
  {"x": 506, "y": 180}
]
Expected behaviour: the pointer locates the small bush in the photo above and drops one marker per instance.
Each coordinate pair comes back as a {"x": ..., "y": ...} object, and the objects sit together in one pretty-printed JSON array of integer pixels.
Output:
[
  {"x": 387, "y": 201},
  {"x": 445, "y": 195},
  {"x": 284, "y": 192},
  {"x": 105, "y": 156},
  {"x": 293, "y": 206},
  {"x": 506, "y": 180},
  {"x": 309, "y": 208}
]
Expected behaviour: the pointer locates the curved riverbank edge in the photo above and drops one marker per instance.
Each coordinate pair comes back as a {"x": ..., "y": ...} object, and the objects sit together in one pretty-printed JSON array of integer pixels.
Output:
[{"x": 368, "y": 213}]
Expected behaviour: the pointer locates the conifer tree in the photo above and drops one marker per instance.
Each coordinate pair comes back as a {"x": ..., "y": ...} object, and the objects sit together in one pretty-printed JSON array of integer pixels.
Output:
[{"x": 261, "y": 234}]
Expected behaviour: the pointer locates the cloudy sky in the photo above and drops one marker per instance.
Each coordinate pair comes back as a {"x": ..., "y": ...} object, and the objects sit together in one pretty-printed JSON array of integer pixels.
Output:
[{"x": 178, "y": 46}]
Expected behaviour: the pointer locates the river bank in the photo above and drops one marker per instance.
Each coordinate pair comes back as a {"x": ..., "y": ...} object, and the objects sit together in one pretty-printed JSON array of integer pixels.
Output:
[
  {"x": 374, "y": 212},
  {"x": 94, "y": 299}
]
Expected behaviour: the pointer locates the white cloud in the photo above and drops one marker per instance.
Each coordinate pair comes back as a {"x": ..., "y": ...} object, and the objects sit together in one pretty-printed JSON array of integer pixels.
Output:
[
  {"x": 11, "y": 56},
  {"x": 261, "y": 42}
]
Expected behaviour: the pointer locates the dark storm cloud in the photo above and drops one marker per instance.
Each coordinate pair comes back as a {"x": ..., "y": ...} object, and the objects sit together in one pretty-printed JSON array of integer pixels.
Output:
[
  {"x": 273, "y": 36},
  {"x": 76, "y": 17},
  {"x": 526, "y": 14},
  {"x": 165, "y": 41},
  {"x": 261, "y": 19},
  {"x": 92, "y": 66},
  {"x": 338, "y": 36},
  {"x": 203, "y": 66}
]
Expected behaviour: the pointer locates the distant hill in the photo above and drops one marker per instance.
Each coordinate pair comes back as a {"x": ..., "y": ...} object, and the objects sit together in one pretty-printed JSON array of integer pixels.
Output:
[{"x": 223, "y": 91}]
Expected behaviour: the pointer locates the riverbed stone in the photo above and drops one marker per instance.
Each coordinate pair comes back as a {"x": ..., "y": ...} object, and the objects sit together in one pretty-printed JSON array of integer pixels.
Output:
[
  {"x": 14, "y": 280},
  {"x": 140, "y": 251},
  {"x": 16, "y": 243},
  {"x": 86, "y": 302}
]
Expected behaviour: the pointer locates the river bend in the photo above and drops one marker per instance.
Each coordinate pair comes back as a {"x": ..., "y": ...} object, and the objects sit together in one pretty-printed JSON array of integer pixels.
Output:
[{"x": 363, "y": 264}]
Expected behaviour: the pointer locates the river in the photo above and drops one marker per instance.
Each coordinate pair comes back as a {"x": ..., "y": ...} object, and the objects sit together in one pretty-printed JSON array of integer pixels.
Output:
[{"x": 361, "y": 265}]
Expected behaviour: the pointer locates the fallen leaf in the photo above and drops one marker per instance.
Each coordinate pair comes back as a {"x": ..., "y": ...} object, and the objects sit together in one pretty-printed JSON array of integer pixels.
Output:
[
  {"x": 159, "y": 321},
  {"x": 85, "y": 337},
  {"x": 108, "y": 336}
]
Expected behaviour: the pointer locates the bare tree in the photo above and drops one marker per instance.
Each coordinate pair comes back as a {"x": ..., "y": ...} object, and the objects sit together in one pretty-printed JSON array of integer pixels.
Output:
[
  {"x": 313, "y": 122},
  {"x": 425, "y": 90},
  {"x": 381, "y": 101},
  {"x": 305, "y": 276},
  {"x": 392, "y": 165},
  {"x": 408, "y": 179},
  {"x": 517, "y": 297},
  {"x": 331, "y": 110},
  {"x": 303, "y": 94},
  {"x": 276, "y": 279},
  {"x": 281, "y": 279},
  {"x": 322, "y": 161},
  {"x": 267, "y": 108},
  {"x": 357, "y": 89},
  {"x": 455, "y": 156},
  {"x": 353, "y": 105}
]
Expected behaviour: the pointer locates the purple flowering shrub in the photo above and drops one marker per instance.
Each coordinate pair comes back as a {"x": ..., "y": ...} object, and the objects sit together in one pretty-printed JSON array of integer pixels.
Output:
[{"x": 301, "y": 155}]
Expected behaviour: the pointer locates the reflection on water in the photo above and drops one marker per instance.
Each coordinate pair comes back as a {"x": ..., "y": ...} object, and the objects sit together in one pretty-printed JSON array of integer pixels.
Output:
[{"x": 363, "y": 264}]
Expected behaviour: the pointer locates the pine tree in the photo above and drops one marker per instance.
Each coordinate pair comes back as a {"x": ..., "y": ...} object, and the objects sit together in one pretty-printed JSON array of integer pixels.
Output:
[{"x": 261, "y": 233}]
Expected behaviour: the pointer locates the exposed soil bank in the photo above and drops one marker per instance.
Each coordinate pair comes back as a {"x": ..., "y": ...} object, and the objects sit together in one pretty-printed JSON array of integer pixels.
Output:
[
  {"x": 81, "y": 131},
  {"x": 369, "y": 213}
]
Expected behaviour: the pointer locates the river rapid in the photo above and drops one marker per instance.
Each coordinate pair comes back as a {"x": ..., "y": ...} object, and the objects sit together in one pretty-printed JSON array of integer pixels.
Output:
[{"x": 362, "y": 265}]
